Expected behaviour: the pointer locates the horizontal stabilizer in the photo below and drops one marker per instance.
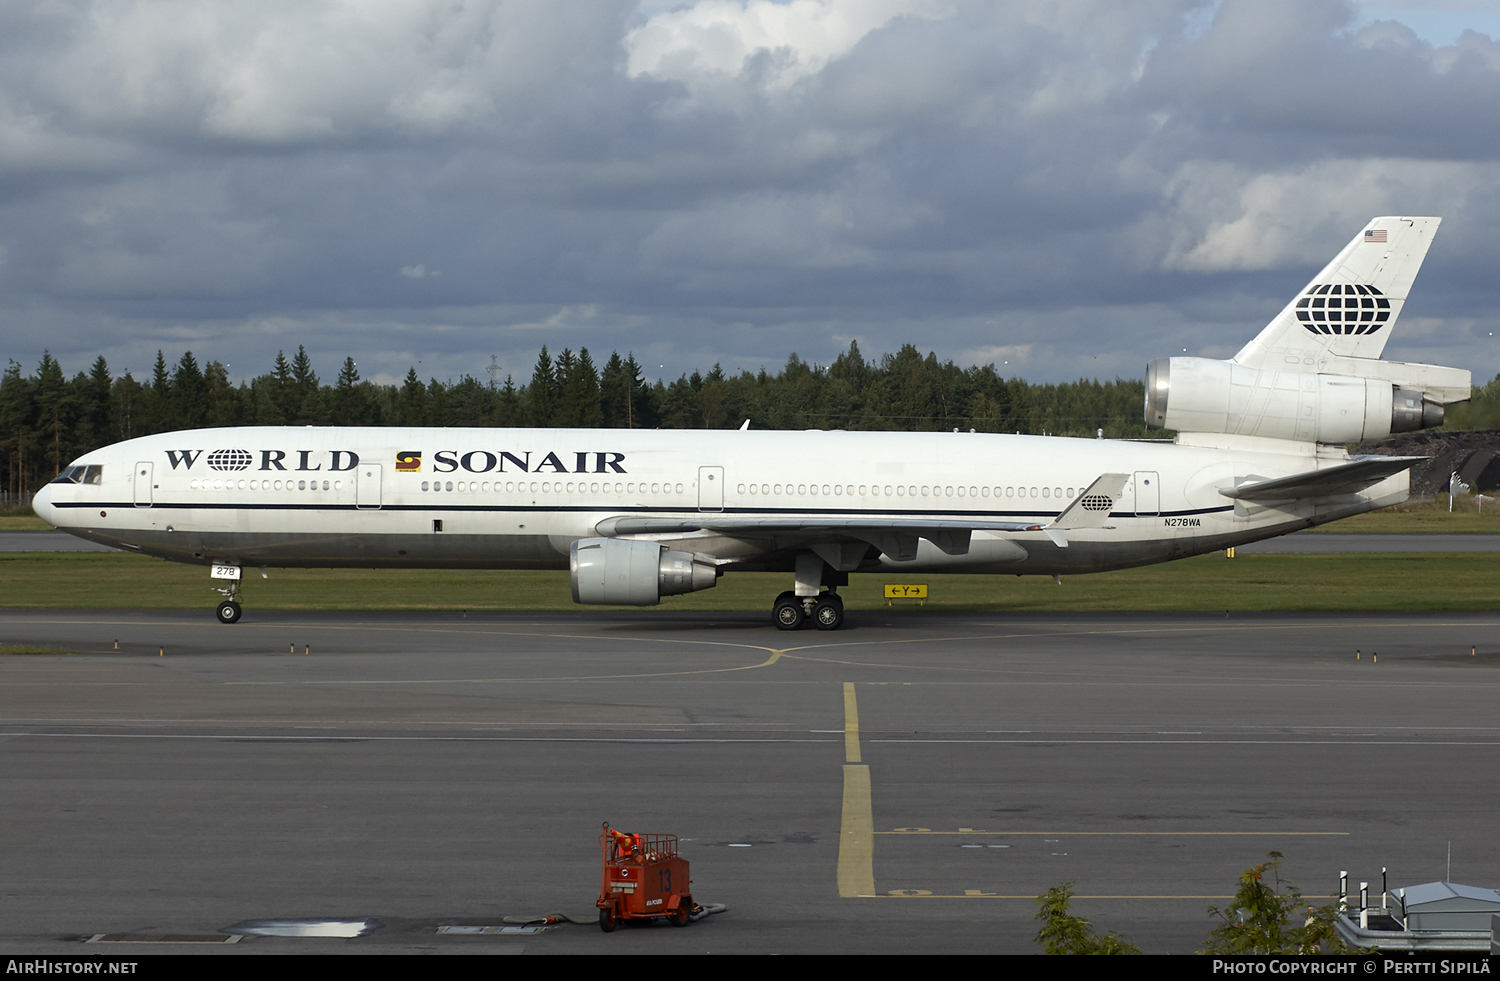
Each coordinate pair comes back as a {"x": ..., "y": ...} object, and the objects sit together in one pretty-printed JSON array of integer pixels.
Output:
[{"x": 1347, "y": 478}]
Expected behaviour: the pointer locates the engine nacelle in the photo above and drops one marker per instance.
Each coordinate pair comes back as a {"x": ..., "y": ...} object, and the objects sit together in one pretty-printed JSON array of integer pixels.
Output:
[
  {"x": 624, "y": 572},
  {"x": 1199, "y": 395}
]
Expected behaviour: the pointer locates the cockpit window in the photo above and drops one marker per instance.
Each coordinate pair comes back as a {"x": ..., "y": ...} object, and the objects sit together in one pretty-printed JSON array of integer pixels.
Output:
[{"x": 81, "y": 475}]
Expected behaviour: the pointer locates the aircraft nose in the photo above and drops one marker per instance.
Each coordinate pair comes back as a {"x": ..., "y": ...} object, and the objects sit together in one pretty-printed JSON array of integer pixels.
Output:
[{"x": 41, "y": 503}]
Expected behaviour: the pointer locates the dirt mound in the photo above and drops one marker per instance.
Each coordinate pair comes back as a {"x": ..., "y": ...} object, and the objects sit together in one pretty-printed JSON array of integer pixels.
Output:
[{"x": 1473, "y": 455}]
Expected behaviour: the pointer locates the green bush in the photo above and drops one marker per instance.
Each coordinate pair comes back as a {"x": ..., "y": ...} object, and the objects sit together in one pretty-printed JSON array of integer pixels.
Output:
[
  {"x": 1064, "y": 933},
  {"x": 1262, "y": 918}
]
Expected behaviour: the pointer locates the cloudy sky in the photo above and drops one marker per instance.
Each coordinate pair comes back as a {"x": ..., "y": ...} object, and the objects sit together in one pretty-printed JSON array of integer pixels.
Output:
[{"x": 1070, "y": 186}]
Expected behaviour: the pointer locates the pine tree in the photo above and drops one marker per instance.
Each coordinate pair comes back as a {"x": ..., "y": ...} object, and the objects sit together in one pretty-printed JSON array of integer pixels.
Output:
[
  {"x": 225, "y": 405},
  {"x": 53, "y": 409},
  {"x": 541, "y": 396},
  {"x": 578, "y": 401},
  {"x": 615, "y": 392},
  {"x": 413, "y": 400},
  {"x": 189, "y": 401},
  {"x": 282, "y": 392},
  {"x": 95, "y": 413},
  {"x": 347, "y": 408}
]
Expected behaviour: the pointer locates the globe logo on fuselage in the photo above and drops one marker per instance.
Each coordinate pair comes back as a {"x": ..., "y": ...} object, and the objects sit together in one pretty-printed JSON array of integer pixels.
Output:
[{"x": 230, "y": 460}]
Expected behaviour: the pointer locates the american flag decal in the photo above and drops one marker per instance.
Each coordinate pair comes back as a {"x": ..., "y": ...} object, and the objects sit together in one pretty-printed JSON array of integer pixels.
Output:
[{"x": 1375, "y": 235}]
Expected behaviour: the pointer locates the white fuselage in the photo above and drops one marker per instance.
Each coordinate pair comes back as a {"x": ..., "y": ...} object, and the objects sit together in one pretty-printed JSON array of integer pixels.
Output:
[{"x": 518, "y": 498}]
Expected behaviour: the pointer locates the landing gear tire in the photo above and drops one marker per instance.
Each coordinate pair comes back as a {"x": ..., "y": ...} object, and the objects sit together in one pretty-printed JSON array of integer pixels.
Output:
[
  {"x": 229, "y": 612},
  {"x": 829, "y": 613},
  {"x": 787, "y": 613}
]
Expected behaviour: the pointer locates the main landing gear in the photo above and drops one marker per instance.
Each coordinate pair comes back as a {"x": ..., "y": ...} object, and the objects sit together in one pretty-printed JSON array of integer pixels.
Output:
[
  {"x": 824, "y": 611},
  {"x": 815, "y": 600}
]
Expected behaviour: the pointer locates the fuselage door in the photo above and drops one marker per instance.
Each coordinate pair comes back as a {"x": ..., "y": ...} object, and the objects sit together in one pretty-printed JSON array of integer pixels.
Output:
[
  {"x": 144, "y": 474},
  {"x": 1147, "y": 493},
  {"x": 367, "y": 485},
  {"x": 710, "y": 488}
]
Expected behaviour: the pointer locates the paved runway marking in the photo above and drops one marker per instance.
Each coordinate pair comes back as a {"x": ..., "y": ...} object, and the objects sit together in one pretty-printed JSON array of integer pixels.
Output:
[
  {"x": 776, "y": 655},
  {"x": 358, "y": 738},
  {"x": 976, "y": 894},
  {"x": 1191, "y": 742},
  {"x": 1206, "y": 626},
  {"x": 1127, "y": 834},
  {"x": 856, "y": 875},
  {"x": 851, "y": 725},
  {"x": 1137, "y": 680}
]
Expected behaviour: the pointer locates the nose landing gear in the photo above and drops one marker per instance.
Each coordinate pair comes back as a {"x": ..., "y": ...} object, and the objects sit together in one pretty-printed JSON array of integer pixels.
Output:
[{"x": 229, "y": 610}]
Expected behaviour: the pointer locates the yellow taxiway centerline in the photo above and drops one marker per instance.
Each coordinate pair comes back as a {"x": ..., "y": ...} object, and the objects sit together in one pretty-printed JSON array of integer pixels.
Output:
[{"x": 856, "y": 875}]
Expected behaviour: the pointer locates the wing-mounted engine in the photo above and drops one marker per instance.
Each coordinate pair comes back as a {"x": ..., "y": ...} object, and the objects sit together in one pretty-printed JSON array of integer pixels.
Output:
[
  {"x": 1374, "y": 399},
  {"x": 625, "y": 572}
]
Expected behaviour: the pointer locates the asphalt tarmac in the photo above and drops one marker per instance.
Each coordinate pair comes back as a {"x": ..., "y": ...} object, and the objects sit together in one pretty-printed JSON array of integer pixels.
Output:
[{"x": 905, "y": 785}]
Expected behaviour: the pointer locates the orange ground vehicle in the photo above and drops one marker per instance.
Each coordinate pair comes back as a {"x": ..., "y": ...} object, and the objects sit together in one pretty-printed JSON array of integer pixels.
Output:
[{"x": 642, "y": 878}]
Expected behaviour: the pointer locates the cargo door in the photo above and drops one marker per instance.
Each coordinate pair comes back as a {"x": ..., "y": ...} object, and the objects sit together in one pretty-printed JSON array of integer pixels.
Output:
[
  {"x": 367, "y": 486},
  {"x": 710, "y": 488},
  {"x": 144, "y": 474},
  {"x": 1147, "y": 493}
]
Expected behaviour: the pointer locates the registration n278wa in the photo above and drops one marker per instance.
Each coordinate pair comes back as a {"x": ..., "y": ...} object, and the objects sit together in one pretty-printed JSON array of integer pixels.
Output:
[{"x": 636, "y": 515}]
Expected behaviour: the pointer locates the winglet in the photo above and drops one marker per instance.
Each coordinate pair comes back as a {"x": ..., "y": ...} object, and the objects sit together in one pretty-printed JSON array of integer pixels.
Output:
[{"x": 1091, "y": 508}]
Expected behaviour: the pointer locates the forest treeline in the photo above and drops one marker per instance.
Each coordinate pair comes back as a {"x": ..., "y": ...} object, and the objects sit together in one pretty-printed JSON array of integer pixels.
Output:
[{"x": 47, "y": 419}]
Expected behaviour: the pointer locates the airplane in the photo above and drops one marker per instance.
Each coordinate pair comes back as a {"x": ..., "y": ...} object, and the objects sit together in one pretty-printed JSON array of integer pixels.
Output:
[{"x": 636, "y": 515}]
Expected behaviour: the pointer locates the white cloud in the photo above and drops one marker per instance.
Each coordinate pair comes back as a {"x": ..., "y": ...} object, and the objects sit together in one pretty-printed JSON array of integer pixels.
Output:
[
  {"x": 566, "y": 318},
  {"x": 999, "y": 355},
  {"x": 298, "y": 71},
  {"x": 1226, "y": 219},
  {"x": 1076, "y": 179},
  {"x": 720, "y": 37}
]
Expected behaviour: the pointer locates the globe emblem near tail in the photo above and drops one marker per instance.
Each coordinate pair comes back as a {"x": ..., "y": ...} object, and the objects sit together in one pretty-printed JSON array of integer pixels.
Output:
[{"x": 1342, "y": 308}]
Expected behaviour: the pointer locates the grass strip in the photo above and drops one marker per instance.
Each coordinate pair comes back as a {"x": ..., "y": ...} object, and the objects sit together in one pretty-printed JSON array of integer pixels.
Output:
[{"x": 1322, "y": 582}]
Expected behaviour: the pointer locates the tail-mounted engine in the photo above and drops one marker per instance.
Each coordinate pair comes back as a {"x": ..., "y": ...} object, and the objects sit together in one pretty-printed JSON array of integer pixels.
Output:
[
  {"x": 1199, "y": 395},
  {"x": 625, "y": 572}
]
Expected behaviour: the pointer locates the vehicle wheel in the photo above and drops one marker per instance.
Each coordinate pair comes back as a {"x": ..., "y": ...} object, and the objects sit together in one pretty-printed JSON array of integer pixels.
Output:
[
  {"x": 607, "y": 921},
  {"x": 829, "y": 613},
  {"x": 684, "y": 910},
  {"x": 229, "y": 612},
  {"x": 788, "y": 613}
]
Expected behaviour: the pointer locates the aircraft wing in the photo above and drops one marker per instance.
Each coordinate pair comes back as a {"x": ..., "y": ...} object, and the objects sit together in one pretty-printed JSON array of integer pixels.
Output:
[
  {"x": 896, "y": 537},
  {"x": 1346, "y": 478}
]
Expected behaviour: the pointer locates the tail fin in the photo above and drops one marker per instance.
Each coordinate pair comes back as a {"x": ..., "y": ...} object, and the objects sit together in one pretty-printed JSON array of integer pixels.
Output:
[{"x": 1349, "y": 309}]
